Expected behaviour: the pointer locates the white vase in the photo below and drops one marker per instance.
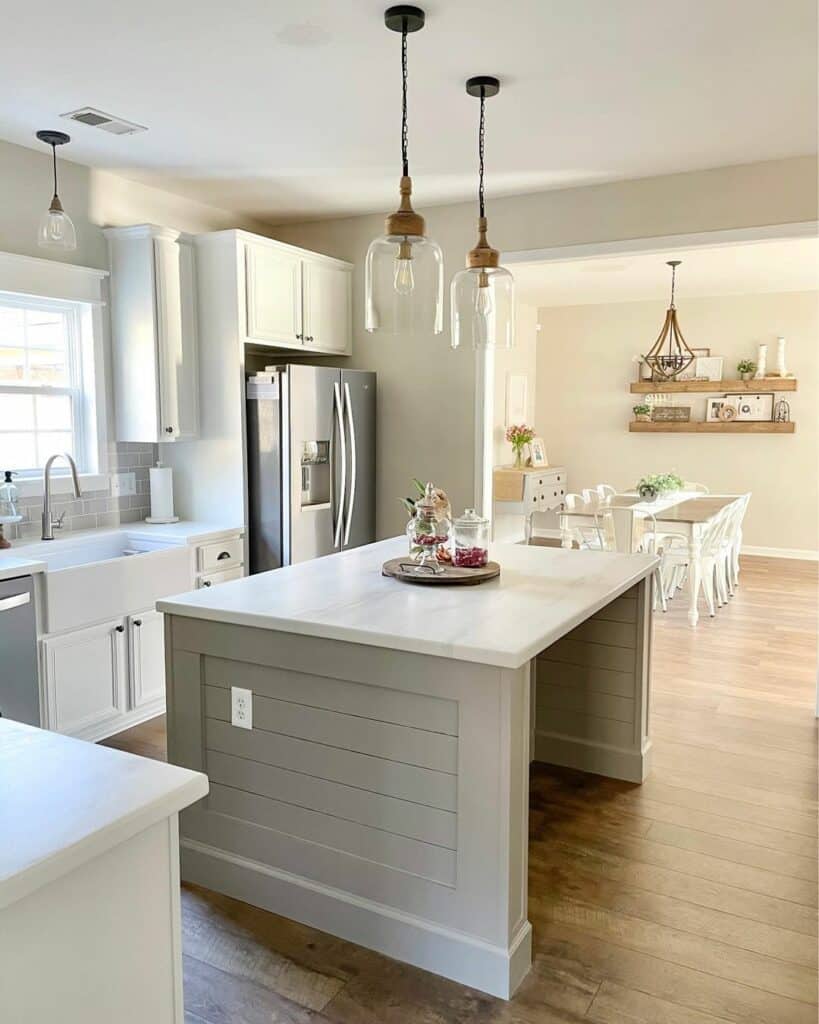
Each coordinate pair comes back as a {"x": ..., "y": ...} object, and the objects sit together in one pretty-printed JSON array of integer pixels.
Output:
[
  {"x": 781, "y": 367},
  {"x": 761, "y": 362}
]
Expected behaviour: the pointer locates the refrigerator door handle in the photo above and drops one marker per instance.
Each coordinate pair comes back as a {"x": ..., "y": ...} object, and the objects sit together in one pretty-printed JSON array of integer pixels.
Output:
[
  {"x": 337, "y": 435},
  {"x": 348, "y": 404}
]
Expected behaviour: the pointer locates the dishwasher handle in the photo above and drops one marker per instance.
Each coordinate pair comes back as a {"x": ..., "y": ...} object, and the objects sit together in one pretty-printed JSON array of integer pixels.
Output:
[{"x": 15, "y": 601}]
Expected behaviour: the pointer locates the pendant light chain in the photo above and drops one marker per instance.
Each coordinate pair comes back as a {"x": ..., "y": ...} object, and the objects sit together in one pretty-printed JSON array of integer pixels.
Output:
[
  {"x": 673, "y": 281},
  {"x": 404, "y": 130},
  {"x": 54, "y": 159},
  {"x": 481, "y": 143}
]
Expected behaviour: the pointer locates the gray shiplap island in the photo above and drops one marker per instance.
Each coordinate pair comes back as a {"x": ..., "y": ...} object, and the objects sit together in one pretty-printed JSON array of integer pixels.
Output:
[{"x": 382, "y": 792}]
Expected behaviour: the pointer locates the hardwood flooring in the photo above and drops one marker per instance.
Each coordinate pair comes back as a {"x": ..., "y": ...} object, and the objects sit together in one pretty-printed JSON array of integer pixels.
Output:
[{"x": 691, "y": 899}]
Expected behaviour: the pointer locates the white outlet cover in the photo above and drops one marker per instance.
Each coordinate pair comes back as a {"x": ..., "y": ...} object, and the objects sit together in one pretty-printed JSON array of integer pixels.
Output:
[
  {"x": 123, "y": 484},
  {"x": 241, "y": 707}
]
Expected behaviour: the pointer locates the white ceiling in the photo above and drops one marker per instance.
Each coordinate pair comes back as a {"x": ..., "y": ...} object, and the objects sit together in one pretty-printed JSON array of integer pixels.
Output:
[
  {"x": 288, "y": 109},
  {"x": 790, "y": 265}
]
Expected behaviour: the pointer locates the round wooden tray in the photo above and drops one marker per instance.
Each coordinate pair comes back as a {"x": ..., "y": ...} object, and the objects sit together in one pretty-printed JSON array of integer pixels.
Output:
[{"x": 403, "y": 569}]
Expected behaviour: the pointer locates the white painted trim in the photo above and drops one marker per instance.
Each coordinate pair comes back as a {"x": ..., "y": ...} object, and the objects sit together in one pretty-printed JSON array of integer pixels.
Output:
[
  {"x": 660, "y": 243},
  {"x": 452, "y": 954},
  {"x": 29, "y": 275},
  {"x": 597, "y": 758},
  {"x": 801, "y": 554}
]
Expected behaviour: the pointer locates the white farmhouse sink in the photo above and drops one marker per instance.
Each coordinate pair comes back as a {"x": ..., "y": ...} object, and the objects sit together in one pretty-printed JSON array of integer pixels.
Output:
[{"x": 104, "y": 575}]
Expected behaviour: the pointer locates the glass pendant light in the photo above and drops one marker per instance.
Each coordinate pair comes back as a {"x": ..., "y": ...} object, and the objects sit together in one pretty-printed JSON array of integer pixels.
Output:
[
  {"x": 56, "y": 227},
  {"x": 483, "y": 295},
  {"x": 404, "y": 271}
]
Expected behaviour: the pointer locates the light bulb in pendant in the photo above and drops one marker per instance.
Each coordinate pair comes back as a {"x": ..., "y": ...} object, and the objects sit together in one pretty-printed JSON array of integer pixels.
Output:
[
  {"x": 403, "y": 276},
  {"x": 483, "y": 298}
]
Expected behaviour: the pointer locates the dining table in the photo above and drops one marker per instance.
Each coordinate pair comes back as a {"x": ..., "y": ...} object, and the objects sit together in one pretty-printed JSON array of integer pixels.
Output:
[{"x": 685, "y": 514}]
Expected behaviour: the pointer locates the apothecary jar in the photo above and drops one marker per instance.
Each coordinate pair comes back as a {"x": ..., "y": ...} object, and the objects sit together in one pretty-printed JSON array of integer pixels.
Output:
[
  {"x": 429, "y": 528},
  {"x": 471, "y": 540}
]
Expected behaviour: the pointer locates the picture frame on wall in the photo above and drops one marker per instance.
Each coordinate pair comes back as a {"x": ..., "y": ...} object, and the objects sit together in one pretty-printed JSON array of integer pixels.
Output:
[
  {"x": 517, "y": 395},
  {"x": 753, "y": 408},
  {"x": 537, "y": 453}
]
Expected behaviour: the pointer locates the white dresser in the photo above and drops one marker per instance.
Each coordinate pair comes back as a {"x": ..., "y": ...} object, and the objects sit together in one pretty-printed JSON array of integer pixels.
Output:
[{"x": 522, "y": 492}]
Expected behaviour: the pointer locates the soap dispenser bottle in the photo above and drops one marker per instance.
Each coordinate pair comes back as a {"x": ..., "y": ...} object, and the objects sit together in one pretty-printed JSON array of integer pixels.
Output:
[{"x": 8, "y": 497}]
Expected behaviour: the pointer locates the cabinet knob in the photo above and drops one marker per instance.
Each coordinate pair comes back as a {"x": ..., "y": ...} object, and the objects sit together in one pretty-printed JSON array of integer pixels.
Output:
[
  {"x": 120, "y": 629},
  {"x": 207, "y": 583},
  {"x": 309, "y": 337},
  {"x": 137, "y": 622},
  {"x": 168, "y": 430},
  {"x": 300, "y": 337}
]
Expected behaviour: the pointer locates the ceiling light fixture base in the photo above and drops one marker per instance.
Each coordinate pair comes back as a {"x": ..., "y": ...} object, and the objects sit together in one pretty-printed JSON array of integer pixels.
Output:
[
  {"x": 51, "y": 138},
  {"x": 483, "y": 255},
  {"x": 483, "y": 85},
  {"x": 405, "y": 221},
  {"x": 404, "y": 18}
]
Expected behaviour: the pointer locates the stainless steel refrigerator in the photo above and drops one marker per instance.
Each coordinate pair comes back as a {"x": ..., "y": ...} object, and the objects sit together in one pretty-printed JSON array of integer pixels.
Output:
[{"x": 311, "y": 463}]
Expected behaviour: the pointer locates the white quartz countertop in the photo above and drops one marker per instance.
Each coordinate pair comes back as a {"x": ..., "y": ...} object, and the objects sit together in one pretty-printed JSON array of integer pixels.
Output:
[
  {"x": 183, "y": 532},
  {"x": 18, "y": 565},
  {"x": 64, "y": 801},
  {"x": 541, "y": 594}
]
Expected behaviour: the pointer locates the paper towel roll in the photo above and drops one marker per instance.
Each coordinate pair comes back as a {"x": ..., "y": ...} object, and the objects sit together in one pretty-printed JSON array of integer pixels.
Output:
[{"x": 161, "y": 495}]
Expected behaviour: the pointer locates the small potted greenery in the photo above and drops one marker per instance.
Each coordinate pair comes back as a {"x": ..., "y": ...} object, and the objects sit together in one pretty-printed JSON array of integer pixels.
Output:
[
  {"x": 746, "y": 368},
  {"x": 642, "y": 412},
  {"x": 654, "y": 484}
]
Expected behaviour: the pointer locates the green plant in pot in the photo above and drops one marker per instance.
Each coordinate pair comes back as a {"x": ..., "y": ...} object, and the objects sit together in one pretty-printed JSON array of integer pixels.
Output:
[
  {"x": 655, "y": 484},
  {"x": 746, "y": 368},
  {"x": 642, "y": 412}
]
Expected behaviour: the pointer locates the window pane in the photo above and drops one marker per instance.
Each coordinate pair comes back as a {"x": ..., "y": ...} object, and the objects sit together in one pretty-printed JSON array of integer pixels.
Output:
[
  {"x": 47, "y": 366},
  {"x": 53, "y": 412},
  {"x": 48, "y": 444},
  {"x": 12, "y": 365},
  {"x": 45, "y": 329},
  {"x": 16, "y": 412},
  {"x": 11, "y": 325},
  {"x": 17, "y": 451}
]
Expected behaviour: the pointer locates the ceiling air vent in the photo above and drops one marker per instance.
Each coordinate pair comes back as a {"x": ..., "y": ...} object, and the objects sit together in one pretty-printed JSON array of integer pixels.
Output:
[{"x": 107, "y": 122}]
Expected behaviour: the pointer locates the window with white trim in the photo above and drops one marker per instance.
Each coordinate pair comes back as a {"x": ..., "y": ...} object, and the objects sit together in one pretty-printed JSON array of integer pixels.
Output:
[{"x": 41, "y": 382}]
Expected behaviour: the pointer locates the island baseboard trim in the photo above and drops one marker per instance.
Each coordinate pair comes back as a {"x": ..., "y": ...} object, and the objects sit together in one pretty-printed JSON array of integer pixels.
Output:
[
  {"x": 463, "y": 958},
  {"x": 597, "y": 758}
]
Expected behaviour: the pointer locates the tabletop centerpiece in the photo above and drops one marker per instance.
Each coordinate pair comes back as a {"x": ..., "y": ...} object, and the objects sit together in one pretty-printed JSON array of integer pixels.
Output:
[{"x": 655, "y": 484}]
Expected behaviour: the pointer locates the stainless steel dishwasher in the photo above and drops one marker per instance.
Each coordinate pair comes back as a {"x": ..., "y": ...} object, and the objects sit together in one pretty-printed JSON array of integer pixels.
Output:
[{"x": 19, "y": 686}]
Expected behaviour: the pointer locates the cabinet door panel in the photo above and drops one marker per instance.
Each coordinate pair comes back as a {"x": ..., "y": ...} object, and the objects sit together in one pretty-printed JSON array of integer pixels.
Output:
[
  {"x": 274, "y": 313},
  {"x": 327, "y": 307},
  {"x": 146, "y": 634},
  {"x": 85, "y": 677},
  {"x": 176, "y": 340}
]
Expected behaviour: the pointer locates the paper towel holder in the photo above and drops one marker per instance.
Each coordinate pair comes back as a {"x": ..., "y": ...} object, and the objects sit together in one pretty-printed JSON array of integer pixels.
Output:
[{"x": 161, "y": 496}]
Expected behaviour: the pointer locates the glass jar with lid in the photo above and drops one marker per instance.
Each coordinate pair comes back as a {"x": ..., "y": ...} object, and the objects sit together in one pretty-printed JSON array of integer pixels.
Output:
[
  {"x": 429, "y": 528},
  {"x": 471, "y": 536}
]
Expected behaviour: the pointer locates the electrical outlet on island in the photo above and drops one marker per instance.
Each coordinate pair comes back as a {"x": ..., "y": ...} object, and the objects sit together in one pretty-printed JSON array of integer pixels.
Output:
[{"x": 241, "y": 707}]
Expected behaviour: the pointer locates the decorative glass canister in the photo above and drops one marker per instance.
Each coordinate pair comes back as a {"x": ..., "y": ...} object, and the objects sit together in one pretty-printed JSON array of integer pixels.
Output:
[
  {"x": 471, "y": 534},
  {"x": 428, "y": 530}
]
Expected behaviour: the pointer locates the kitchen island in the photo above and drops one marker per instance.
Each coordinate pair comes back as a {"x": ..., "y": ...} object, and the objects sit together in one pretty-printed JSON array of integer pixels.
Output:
[{"x": 375, "y": 784}]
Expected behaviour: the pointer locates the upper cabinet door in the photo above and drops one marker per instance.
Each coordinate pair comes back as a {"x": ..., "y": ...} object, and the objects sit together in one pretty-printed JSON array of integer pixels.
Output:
[
  {"x": 327, "y": 306},
  {"x": 175, "y": 282},
  {"x": 274, "y": 309}
]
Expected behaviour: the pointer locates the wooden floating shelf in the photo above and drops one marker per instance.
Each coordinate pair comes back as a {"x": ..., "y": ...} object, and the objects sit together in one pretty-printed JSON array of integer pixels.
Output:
[
  {"x": 731, "y": 427},
  {"x": 659, "y": 387}
]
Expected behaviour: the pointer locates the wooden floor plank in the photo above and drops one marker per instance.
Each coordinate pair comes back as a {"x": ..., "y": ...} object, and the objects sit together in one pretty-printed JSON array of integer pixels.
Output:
[{"x": 615, "y": 1004}]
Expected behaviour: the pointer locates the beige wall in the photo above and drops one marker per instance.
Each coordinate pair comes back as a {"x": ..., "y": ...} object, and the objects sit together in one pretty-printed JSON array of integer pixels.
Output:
[
  {"x": 93, "y": 199},
  {"x": 426, "y": 391},
  {"x": 522, "y": 360},
  {"x": 584, "y": 368}
]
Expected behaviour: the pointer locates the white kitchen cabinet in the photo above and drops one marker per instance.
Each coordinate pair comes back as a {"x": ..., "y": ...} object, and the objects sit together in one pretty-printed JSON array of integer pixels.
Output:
[
  {"x": 297, "y": 299},
  {"x": 146, "y": 648},
  {"x": 154, "y": 334},
  {"x": 327, "y": 291},
  {"x": 274, "y": 301},
  {"x": 85, "y": 678}
]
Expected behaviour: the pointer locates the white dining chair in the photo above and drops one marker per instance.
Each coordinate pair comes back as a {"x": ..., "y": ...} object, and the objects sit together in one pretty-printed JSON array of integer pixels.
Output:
[
  {"x": 605, "y": 491},
  {"x": 616, "y": 528},
  {"x": 695, "y": 488},
  {"x": 585, "y": 536}
]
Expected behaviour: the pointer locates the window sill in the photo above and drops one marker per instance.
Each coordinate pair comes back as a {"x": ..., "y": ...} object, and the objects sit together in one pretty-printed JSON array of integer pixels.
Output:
[{"x": 32, "y": 486}]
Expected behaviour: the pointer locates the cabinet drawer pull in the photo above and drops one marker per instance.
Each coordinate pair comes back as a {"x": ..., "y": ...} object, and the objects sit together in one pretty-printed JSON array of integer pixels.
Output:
[
  {"x": 222, "y": 556},
  {"x": 168, "y": 430},
  {"x": 120, "y": 629},
  {"x": 15, "y": 601}
]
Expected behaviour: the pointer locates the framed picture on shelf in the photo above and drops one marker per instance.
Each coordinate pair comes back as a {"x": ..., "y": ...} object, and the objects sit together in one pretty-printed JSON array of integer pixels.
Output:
[
  {"x": 720, "y": 409},
  {"x": 708, "y": 367},
  {"x": 753, "y": 407},
  {"x": 702, "y": 352},
  {"x": 537, "y": 453}
]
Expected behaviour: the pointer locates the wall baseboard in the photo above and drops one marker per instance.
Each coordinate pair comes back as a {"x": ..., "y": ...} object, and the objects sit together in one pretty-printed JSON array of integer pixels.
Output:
[
  {"x": 801, "y": 554},
  {"x": 433, "y": 947},
  {"x": 589, "y": 756}
]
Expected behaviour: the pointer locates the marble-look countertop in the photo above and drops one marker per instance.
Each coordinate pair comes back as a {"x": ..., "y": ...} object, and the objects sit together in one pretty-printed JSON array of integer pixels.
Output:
[
  {"x": 184, "y": 532},
  {"x": 541, "y": 594},
  {"x": 64, "y": 801},
  {"x": 12, "y": 565}
]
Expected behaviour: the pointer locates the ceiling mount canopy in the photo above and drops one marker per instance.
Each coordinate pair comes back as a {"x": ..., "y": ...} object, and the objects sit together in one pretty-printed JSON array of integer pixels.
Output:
[
  {"x": 482, "y": 298},
  {"x": 404, "y": 270},
  {"x": 56, "y": 230},
  {"x": 670, "y": 354}
]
